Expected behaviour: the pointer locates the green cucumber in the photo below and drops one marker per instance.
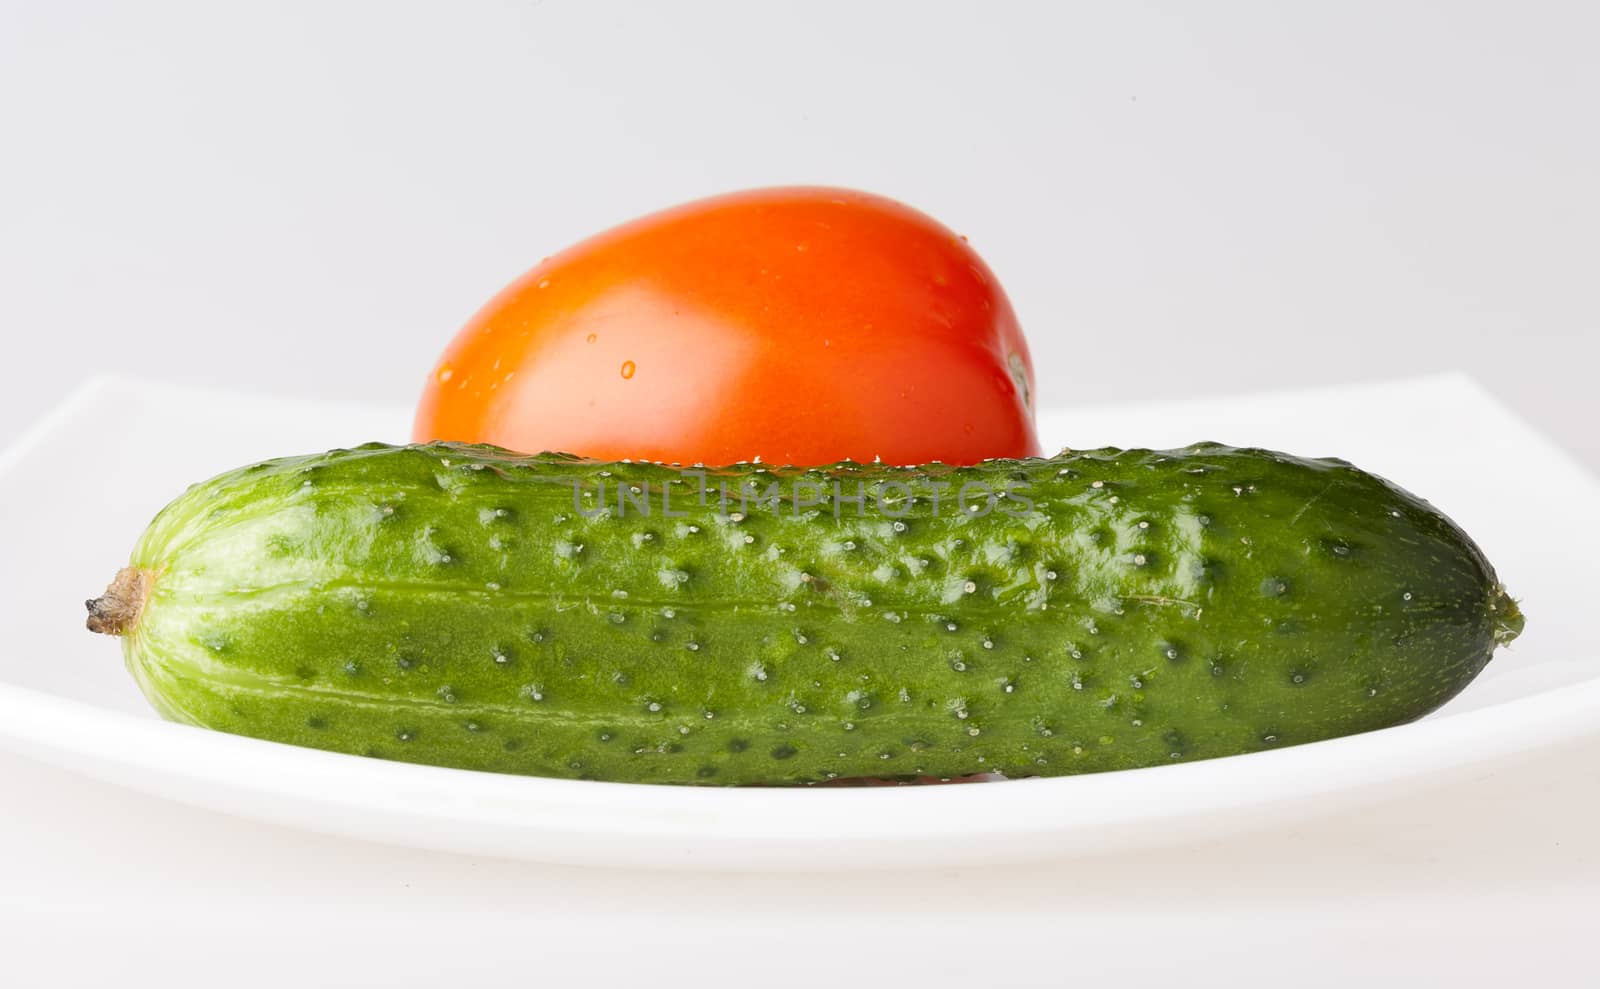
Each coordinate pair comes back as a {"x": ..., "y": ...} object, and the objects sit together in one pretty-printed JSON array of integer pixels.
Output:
[{"x": 464, "y": 606}]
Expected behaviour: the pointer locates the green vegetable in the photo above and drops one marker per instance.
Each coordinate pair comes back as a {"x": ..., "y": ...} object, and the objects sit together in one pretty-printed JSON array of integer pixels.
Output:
[{"x": 462, "y": 606}]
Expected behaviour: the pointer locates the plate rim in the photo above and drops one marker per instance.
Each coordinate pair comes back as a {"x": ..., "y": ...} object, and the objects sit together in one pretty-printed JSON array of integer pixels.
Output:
[{"x": 33, "y": 721}]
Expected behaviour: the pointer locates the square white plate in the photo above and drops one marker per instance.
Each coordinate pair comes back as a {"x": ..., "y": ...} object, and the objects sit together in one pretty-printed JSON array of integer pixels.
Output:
[{"x": 82, "y": 484}]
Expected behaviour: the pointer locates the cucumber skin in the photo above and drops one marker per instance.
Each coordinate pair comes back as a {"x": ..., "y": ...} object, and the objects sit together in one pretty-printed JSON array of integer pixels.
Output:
[{"x": 447, "y": 604}]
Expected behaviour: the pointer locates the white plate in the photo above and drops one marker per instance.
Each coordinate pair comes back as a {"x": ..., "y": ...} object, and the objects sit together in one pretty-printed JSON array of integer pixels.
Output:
[{"x": 82, "y": 484}]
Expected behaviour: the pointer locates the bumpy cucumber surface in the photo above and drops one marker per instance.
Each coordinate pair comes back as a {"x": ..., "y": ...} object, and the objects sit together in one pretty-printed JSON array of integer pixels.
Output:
[{"x": 462, "y": 606}]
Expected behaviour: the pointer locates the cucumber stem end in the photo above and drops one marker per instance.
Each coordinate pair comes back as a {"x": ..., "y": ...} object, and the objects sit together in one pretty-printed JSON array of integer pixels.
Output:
[
  {"x": 117, "y": 611},
  {"x": 1508, "y": 619}
]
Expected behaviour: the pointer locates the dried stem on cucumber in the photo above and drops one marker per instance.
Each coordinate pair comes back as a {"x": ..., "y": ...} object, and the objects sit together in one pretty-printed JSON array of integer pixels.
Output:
[{"x": 116, "y": 612}]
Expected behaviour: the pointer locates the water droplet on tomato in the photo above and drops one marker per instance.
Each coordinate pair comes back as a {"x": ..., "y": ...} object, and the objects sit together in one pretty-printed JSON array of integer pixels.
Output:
[
  {"x": 590, "y": 338},
  {"x": 445, "y": 371},
  {"x": 627, "y": 369}
]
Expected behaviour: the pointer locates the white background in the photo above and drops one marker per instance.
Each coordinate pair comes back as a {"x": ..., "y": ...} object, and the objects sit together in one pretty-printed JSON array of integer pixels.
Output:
[{"x": 1181, "y": 199}]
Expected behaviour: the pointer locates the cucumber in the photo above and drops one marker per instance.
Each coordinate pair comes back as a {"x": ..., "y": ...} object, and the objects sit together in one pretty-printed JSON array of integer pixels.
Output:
[{"x": 463, "y": 606}]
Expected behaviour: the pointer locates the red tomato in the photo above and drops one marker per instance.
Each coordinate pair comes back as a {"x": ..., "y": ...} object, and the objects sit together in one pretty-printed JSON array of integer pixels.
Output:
[{"x": 798, "y": 325}]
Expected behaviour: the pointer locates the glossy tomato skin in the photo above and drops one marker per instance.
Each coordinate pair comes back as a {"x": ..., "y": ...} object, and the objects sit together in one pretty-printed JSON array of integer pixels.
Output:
[{"x": 797, "y": 325}]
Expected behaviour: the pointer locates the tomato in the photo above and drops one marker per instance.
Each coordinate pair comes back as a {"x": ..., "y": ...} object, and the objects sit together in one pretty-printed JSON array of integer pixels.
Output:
[{"x": 797, "y": 325}]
